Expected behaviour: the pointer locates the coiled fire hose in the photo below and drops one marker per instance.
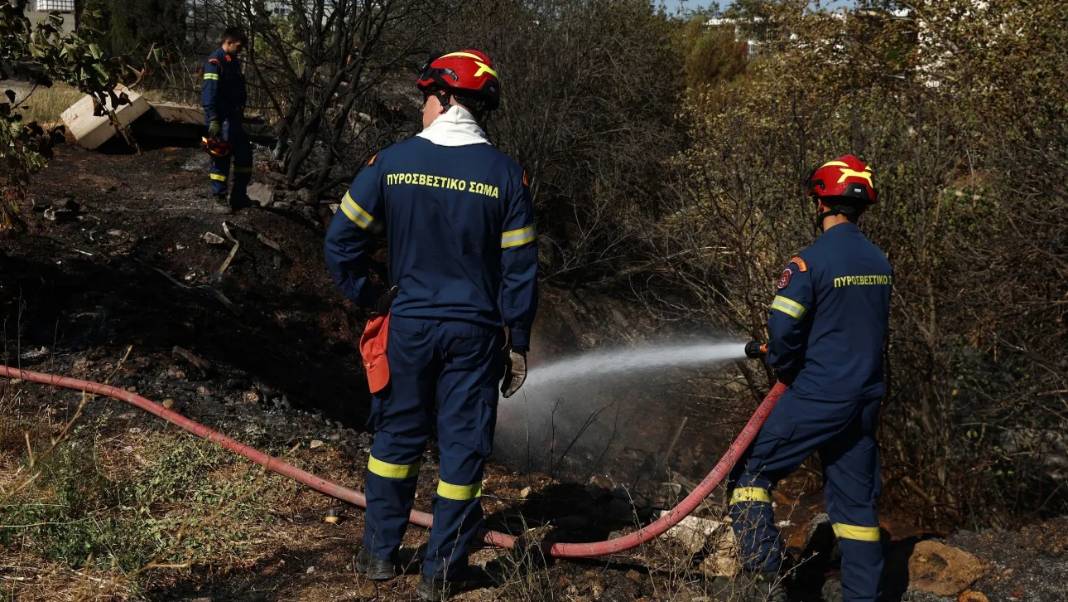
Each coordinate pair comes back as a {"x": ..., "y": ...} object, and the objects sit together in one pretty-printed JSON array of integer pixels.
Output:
[{"x": 496, "y": 538}]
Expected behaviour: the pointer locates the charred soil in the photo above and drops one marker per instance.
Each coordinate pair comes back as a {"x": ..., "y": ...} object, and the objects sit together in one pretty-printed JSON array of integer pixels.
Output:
[{"x": 128, "y": 272}]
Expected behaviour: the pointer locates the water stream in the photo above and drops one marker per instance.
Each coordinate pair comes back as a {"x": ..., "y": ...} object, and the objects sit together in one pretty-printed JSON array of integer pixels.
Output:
[{"x": 607, "y": 411}]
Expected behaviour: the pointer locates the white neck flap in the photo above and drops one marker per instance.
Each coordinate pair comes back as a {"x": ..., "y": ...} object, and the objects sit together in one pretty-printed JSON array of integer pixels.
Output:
[{"x": 456, "y": 127}]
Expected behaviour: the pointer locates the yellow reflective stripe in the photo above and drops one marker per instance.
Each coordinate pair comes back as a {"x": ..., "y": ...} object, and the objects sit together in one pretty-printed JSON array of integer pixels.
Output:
[
  {"x": 844, "y": 531},
  {"x": 835, "y": 164},
  {"x": 355, "y": 213},
  {"x": 482, "y": 67},
  {"x": 460, "y": 493},
  {"x": 218, "y": 177},
  {"x": 392, "y": 471},
  {"x": 516, "y": 238},
  {"x": 466, "y": 55},
  {"x": 212, "y": 76},
  {"x": 788, "y": 306},
  {"x": 750, "y": 494}
]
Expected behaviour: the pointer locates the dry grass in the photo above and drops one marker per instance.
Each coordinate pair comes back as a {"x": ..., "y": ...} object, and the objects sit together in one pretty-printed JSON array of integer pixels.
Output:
[{"x": 44, "y": 105}]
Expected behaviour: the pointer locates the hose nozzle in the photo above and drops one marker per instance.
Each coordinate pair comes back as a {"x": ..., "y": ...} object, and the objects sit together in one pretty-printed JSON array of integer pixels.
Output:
[{"x": 756, "y": 350}]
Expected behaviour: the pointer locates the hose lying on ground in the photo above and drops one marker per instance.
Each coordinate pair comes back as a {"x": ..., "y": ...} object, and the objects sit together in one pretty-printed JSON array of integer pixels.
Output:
[{"x": 559, "y": 550}]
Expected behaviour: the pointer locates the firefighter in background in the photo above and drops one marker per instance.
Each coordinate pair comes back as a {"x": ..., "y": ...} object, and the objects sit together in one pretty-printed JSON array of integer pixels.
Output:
[
  {"x": 459, "y": 225},
  {"x": 223, "y": 97},
  {"x": 827, "y": 329}
]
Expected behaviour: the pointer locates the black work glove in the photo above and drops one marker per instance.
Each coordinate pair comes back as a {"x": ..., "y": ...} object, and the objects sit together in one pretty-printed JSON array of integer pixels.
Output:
[
  {"x": 214, "y": 128},
  {"x": 385, "y": 301},
  {"x": 515, "y": 372}
]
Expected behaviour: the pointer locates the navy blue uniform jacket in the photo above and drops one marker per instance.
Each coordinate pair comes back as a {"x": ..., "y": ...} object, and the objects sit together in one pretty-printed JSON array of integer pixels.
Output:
[
  {"x": 223, "y": 94},
  {"x": 460, "y": 228},
  {"x": 828, "y": 323}
]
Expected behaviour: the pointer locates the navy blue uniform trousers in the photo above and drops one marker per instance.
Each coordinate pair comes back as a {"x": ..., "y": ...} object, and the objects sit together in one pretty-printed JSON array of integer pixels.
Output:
[
  {"x": 234, "y": 133},
  {"x": 843, "y": 432},
  {"x": 448, "y": 371}
]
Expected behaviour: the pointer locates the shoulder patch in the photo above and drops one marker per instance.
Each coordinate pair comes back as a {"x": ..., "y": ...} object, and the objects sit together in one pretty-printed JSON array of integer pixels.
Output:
[
  {"x": 784, "y": 279},
  {"x": 801, "y": 265},
  {"x": 372, "y": 160},
  {"x": 229, "y": 58},
  {"x": 526, "y": 179},
  {"x": 213, "y": 61}
]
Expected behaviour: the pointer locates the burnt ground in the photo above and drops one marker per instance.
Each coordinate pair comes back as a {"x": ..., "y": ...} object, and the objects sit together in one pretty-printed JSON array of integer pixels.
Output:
[{"x": 123, "y": 287}]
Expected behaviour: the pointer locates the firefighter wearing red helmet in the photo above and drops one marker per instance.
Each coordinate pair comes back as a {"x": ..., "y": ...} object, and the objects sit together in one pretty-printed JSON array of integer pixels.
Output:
[
  {"x": 827, "y": 332},
  {"x": 454, "y": 320}
]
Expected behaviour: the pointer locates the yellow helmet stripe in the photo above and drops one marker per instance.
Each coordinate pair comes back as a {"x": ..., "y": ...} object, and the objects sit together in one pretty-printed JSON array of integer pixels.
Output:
[{"x": 482, "y": 66}]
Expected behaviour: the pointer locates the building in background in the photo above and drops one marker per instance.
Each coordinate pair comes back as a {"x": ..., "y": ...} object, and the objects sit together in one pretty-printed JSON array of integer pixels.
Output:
[{"x": 38, "y": 10}]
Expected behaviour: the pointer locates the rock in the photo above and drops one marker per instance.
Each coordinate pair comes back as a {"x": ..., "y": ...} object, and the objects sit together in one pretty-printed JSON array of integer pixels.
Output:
[
  {"x": 315, "y": 444},
  {"x": 943, "y": 570},
  {"x": 203, "y": 391},
  {"x": 693, "y": 532},
  {"x": 722, "y": 559},
  {"x": 525, "y": 492},
  {"x": 261, "y": 193},
  {"x": 251, "y": 396},
  {"x": 972, "y": 596}
]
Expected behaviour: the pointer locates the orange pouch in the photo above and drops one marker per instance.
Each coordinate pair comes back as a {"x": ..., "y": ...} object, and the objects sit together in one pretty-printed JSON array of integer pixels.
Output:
[{"x": 373, "y": 350}]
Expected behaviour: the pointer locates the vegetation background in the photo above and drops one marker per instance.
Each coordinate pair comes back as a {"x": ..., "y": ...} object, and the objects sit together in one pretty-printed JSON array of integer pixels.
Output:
[{"x": 667, "y": 154}]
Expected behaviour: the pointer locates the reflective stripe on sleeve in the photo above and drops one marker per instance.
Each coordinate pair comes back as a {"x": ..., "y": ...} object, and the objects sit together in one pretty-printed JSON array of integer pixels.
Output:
[
  {"x": 844, "y": 531},
  {"x": 218, "y": 177},
  {"x": 391, "y": 471},
  {"x": 750, "y": 494},
  {"x": 788, "y": 306},
  {"x": 212, "y": 76},
  {"x": 517, "y": 238},
  {"x": 355, "y": 213},
  {"x": 459, "y": 493}
]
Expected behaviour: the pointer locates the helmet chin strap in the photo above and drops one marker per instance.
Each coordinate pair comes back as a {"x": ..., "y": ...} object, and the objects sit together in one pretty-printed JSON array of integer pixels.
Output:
[{"x": 444, "y": 99}]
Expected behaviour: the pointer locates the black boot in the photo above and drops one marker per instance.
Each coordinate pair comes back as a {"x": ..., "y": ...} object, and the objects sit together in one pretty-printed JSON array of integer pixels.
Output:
[
  {"x": 375, "y": 569},
  {"x": 435, "y": 589}
]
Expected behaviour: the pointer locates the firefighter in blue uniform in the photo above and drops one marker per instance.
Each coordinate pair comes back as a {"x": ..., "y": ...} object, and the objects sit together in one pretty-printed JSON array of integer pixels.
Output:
[
  {"x": 459, "y": 225},
  {"x": 827, "y": 329},
  {"x": 223, "y": 97}
]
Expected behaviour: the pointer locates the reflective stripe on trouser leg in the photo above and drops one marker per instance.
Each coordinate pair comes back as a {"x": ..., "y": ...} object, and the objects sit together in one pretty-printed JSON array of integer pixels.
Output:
[
  {"x": 400, "y": 417},
  {"x": 851, "y": 470},
  {"x": 467, "y": 412},
  {"x": 753, "y": 522},
  {"x": 218, "y": 174},
  {"x": 862, "y": 564},
  {"x": 390, "y": 490}
]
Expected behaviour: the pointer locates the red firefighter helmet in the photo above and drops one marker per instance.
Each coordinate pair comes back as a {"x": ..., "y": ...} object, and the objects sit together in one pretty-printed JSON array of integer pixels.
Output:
[
  {"x": 468, "y": 72},
  {"x": 846, "y": 179},
  {"x": 216, "y": 147}
]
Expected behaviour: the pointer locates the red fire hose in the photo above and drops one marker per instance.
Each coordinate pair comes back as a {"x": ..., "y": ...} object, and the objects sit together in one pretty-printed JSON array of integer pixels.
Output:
[{"x": 559, "y": 550}]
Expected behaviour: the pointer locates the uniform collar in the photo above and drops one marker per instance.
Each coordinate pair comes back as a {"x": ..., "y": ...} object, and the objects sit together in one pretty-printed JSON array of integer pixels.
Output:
[
  {"x": 848, "y": 227},
  {"x": 456, "y": 127}
]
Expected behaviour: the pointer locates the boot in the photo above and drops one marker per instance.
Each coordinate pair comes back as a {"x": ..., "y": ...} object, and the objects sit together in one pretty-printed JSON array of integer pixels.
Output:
[
  {"x": 375, "y": 569},
  {"x": 436, "y": 589}
]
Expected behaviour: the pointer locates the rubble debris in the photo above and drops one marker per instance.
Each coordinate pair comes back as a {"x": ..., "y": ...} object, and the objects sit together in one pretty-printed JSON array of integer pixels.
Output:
[
  {"x": 722, "y": 556},
  {"x": 90, "y": 130},
  {"x": 65, "y": 210},
  {"x": 972, "y": 596},
  {"x": 943, "y": 570},
  {"x": 33, "y": 355},
  {"x": 332, "y": 516},
  {"x": 213, "y": 239},
  {"x": 693, "y": 532},
  {"x": 261, "y": 193},
  {"x": 315, "y": 444}
]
